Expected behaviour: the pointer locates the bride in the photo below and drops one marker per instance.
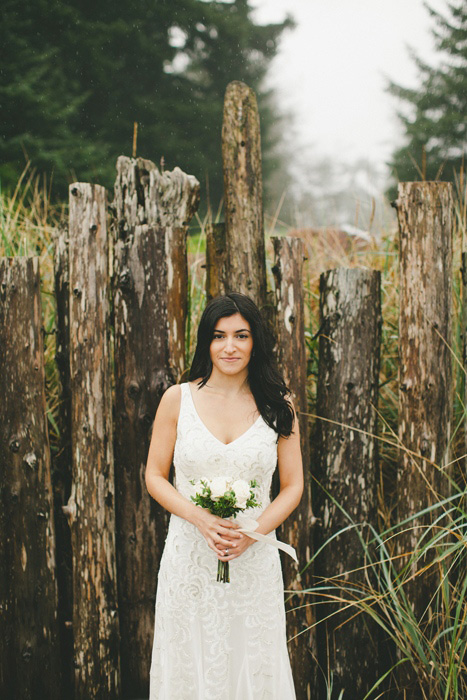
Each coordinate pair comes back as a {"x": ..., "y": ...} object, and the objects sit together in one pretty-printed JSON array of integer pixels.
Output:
[{"x": 234, "y": 419}]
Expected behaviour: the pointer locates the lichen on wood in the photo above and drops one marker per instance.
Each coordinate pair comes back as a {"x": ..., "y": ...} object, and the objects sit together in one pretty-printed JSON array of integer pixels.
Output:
[
  {"x": 346, "y": 461},
  {"x": 426, "y": 220}
]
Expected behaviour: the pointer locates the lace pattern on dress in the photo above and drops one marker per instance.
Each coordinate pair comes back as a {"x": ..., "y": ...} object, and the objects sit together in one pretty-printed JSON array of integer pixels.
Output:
[{"x": 215, "y": 641}]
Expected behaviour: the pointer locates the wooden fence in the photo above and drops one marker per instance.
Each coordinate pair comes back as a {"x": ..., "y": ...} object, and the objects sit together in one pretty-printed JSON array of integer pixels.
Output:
[{"x": 79, "y": 556}]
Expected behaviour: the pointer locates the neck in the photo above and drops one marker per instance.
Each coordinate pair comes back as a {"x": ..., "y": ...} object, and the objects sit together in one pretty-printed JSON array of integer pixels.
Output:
[{"x": 228, "y": 384}]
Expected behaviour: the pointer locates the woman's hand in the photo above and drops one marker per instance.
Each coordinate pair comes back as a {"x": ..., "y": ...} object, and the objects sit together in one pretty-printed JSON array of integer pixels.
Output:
[
  {"x": 236, "y": 547},
  {"x": 219, "y": 533}
]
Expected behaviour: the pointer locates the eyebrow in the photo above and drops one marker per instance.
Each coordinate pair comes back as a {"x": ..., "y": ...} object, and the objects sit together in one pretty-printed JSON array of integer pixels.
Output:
[{"x": 242, "y": 330}]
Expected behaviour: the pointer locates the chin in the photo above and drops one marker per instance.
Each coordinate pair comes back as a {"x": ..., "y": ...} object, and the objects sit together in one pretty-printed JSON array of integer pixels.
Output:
[{"x": 227, "y": 368}]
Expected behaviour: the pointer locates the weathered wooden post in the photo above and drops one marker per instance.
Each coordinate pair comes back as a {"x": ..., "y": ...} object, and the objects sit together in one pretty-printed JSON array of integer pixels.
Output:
[
  {"x": 91, "y": 506},
  {"x": 346, "y": 461},
  {"x": 425, "y": 214},
  {"x": 152, "y": 213},
  {"x": 29, "y": 635},
  {"x": 243, "y": 194},
  {"x": 297, "y": 529},
  {"x": 62, "y": 459}
]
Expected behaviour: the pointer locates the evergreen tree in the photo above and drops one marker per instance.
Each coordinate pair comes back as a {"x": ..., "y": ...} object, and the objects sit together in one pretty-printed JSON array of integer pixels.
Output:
[
  {"x": 436, "y": 127},
  {"x": 77, "y": 74}
]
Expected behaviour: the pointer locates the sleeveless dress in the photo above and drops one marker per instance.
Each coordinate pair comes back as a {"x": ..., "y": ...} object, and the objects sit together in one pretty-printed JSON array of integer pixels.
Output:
[{"x": 219, "y": 641}]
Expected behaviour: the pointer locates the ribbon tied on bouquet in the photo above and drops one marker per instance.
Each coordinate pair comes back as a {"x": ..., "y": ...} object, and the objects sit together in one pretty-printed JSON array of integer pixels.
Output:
[{"x": 248, "y": 526}]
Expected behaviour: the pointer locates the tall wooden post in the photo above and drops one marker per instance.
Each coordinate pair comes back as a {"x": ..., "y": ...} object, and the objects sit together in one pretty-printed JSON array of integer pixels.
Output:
[
  {"x": 62, "y": 459},
  {"x": 346, "y": 462},
  {"x": 29, "y": 635},
  {"x": 243, "y": 194},
  {"x": 152, "y": 213},
  {"x": 297, "y": 529},
  {"x": 425, "y": 214},
  {"x": 91, "y": 506}
]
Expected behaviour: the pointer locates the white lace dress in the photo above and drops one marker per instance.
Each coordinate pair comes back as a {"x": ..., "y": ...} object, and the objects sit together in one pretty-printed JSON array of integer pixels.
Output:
[{"x": 219, "y": 641}]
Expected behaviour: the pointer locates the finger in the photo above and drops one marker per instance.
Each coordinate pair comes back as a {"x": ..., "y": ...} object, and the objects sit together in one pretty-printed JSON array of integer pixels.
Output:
[
  {"x": 230, "y": 524},
  {"x": 227, "y": 557},
  {"x": 225, "y": 543},
  {"x": 219, "y": 550},
  {"x": 229, "y": 533},
  {"x": 233, "y": 539}
]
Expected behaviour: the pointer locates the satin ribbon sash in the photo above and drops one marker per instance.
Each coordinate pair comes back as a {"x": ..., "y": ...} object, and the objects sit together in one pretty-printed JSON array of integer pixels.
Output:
[{"x": 248, "y": 527}]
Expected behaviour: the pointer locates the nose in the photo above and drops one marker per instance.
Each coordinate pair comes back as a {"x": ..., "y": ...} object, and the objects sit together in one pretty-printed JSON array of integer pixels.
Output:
[{"x": 229, "y": 345}]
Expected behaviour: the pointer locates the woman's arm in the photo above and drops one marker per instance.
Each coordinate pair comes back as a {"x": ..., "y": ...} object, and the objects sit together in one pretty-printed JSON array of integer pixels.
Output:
[
  {"x": 290, "y": 467},
  {"x": 161, "y": 449}
]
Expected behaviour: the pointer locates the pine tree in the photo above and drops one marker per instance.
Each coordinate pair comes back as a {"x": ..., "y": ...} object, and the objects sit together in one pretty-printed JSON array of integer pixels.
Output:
[
  {"x": 76, "y": 74},
  {"x": 435, "y": 126}
]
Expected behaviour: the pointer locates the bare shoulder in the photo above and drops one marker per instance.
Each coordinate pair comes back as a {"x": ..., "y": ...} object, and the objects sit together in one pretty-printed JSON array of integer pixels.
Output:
[{"x": 169, "y": 405}]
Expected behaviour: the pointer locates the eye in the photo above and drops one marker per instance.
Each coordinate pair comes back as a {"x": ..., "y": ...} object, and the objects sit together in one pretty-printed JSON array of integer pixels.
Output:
[{"x": 242, "y": 335}]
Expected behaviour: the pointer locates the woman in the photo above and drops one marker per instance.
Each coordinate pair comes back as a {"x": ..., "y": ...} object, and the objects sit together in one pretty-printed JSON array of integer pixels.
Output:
[{"x": 223, "y": 641}]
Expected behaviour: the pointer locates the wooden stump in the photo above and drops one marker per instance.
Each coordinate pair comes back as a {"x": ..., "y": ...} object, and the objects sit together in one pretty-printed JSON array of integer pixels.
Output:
[
  {"x": 243, "y": 194},
  {"x": 152, "y": 213},
  {"x": 425, "y": 214},
  {"x": 297, "y": 529},
  {"x": 91, "y": 506},
  {"x": 29, "y": 635},
  {"x": 346, "y": 463},
  {"x": 62, "y": 459}
]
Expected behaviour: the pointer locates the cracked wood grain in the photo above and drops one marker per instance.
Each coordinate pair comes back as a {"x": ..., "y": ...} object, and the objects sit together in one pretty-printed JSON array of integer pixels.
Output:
[
  {"x": 152, "y": 211},
  {"x": 297, "y": 530},
  {"x": 29, "y": 635},
  {"x": 243, "y": 194},
  {"x": 91, "y": 506},
  {"x": 346, "y": 460},
  {"x": 426, "y": 219}
]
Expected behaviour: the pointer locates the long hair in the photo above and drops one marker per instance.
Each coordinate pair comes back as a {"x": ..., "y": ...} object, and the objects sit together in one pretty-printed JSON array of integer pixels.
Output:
[{"x": 266, "y": 383}]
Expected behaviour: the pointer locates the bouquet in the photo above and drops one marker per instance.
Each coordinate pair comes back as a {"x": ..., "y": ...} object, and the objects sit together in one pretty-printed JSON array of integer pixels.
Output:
[{"x": 224, "y": 497}]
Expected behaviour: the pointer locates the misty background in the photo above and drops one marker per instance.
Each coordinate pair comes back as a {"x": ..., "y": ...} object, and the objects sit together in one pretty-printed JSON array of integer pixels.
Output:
[{"x": 353, "y": 95}]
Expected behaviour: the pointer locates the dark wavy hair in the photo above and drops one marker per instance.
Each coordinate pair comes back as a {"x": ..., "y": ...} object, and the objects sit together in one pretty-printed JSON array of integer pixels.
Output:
[{"x": 266, "y": 383}]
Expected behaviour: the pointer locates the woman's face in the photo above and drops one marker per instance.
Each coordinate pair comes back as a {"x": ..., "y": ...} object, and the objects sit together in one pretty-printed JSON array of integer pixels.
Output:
[{"x": 232, "y": 343}]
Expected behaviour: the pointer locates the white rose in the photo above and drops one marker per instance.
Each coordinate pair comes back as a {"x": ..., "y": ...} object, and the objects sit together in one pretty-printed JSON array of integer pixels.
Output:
[
  {"x": 197, "y": 485},
  {"x": 241, "y": 490},
  {"x": 219, "y": 485}
]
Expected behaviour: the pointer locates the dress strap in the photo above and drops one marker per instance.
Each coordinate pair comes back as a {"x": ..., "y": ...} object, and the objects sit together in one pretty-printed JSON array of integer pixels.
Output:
[{"x": 184, "y": 400}]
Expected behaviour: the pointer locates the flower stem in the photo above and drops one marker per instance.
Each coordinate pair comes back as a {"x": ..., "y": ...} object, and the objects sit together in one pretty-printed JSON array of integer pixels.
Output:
[{"x": 223, "y": 572}]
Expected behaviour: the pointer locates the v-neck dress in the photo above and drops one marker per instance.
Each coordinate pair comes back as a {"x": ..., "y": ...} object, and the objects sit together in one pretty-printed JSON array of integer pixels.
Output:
[{"x": 219, "y": 641}]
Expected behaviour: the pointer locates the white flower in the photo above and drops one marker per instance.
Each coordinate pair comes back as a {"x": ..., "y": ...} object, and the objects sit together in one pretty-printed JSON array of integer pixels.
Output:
[
  {"x": 241, "y": 490},
  {"x": 219, "y": 485},
  {"x": 197, "y": 485}
]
